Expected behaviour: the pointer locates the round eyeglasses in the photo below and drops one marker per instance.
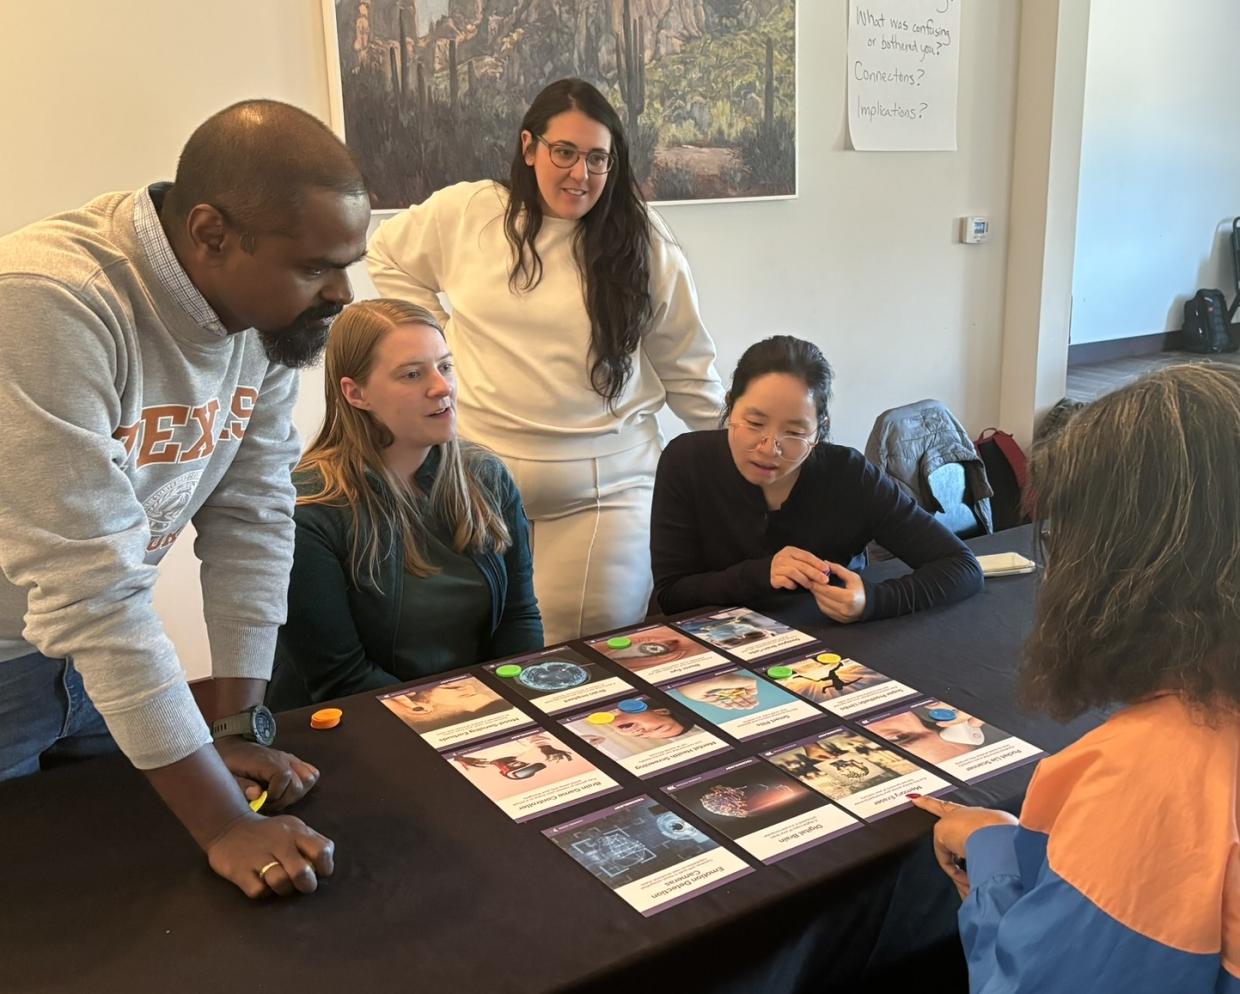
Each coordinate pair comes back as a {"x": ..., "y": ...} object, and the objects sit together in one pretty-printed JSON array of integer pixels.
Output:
[
  {"x": 565, "y": 156},
  {"x": 791, "y": 447}
]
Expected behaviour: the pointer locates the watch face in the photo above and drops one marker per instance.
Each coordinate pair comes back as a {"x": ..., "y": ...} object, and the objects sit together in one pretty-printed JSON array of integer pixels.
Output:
[{"x": 264, "y": 726}]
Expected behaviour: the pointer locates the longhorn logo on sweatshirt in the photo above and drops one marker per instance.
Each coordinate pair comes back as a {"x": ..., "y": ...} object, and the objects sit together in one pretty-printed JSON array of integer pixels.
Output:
[
  {"x": 176, "y": 433},
  {"x": 165, "y": 509}
]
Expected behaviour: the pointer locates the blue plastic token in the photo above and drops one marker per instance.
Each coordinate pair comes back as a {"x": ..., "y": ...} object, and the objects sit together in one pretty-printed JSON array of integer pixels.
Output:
[
  {"x": 619, "y": 642},
  {"x": 633, "y": 706},
  {"x": 509, "y": 669},
  {"x": 943, "y": 714}
]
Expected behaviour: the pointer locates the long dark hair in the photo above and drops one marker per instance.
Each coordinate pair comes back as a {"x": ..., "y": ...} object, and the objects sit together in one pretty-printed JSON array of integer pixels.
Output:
[
  {"x": 1142, "y": 585},
  {"x": 612, "y": 243},
  {"x": 785, "y": 354}
]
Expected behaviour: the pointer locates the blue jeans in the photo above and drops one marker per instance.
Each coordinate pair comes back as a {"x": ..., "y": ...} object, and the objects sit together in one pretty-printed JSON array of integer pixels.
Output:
[{"x": 45, "y": 716}]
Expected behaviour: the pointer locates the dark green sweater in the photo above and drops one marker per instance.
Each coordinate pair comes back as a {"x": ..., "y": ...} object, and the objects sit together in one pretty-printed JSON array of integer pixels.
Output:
[{"x": 344, "y": 638}]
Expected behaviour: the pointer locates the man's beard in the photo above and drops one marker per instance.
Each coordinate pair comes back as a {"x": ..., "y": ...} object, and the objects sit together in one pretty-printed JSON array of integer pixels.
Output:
[{"x": 301, "y": 343}]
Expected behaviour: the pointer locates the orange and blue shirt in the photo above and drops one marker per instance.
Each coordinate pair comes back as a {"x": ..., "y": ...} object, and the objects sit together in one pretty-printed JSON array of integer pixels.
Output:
[{"x": 1124, "y": 872}]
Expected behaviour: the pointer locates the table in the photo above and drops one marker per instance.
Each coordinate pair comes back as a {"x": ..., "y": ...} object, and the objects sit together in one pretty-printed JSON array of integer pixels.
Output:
[{"x": 437, "y": 890}]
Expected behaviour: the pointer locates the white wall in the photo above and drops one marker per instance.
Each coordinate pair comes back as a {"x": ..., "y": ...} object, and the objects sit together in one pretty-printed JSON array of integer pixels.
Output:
[
  {"x": 1160, "y": 164},
  {"x": 865, "y": 262}
]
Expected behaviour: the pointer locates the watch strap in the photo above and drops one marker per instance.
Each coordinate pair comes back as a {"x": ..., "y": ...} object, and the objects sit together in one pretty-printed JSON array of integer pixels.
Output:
[{"x": 234, "y": 724}]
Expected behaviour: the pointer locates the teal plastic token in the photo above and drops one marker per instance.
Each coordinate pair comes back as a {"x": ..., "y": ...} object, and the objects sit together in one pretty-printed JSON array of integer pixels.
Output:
[
  {"x": 509, "y": 669},
  {"x": 779, "y": 672},
  {"x": 619, "y": 642},
  {"x": 943, "y": 714},
  {"x": 633, "y": 706}
]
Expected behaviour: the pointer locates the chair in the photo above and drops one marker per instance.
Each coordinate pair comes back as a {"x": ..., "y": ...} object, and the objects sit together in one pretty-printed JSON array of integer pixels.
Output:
[{"x": 926, "y": 450}]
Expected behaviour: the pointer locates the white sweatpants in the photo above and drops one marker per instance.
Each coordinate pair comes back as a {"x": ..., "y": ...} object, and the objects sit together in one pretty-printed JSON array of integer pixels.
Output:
[{"x": 590, "y": 524}]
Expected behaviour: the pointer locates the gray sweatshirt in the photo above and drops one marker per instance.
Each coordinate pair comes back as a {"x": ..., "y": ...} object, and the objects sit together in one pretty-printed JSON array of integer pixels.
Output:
[{"x": 121, "y": 421}]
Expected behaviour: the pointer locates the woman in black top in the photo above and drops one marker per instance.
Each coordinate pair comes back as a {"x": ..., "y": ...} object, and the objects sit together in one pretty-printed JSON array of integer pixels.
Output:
[{"x": 768, "y": 504}]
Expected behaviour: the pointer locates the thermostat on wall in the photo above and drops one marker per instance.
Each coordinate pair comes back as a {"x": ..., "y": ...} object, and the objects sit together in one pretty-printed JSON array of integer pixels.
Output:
[{"x": 974, "y": 230}]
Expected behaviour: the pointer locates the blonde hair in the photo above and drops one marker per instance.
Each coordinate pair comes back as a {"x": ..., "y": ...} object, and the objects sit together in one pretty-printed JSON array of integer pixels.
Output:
[
  {"x": 350, "y": 445},
  {"x": 1140, "y": 495}
]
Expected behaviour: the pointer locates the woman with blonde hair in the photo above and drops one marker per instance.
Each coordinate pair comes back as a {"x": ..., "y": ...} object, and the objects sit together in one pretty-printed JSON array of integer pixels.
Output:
[
  {"x": 412, "y": 553},
  {"x": 1123, "y": 872}
]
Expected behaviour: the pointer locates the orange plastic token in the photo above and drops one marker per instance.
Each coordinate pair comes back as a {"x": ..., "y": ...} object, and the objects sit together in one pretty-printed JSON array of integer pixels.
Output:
[{"x": 326, "y": 718}]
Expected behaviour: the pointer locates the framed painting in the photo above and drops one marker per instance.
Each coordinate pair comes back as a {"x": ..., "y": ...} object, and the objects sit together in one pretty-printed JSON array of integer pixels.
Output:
[{"x": 431, "y": 92}]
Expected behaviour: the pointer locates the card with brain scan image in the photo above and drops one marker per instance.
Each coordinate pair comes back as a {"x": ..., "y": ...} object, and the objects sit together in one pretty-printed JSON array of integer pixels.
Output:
[
  {"x": 765, "y": 811},
  {"x": 651, "y": 857},
  {"x": 557, "y": 679},
  {"x": 657, "y": 653}
]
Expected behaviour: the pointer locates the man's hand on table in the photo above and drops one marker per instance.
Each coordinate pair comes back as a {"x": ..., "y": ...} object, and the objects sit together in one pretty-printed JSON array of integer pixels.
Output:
[
  {"x": 256, "y": 768},
  {"x": 280, "y": 854}
]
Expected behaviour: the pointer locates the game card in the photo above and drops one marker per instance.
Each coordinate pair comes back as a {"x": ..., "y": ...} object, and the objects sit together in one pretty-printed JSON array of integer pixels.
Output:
[
  {"x": 530, "y": 773},
  {"x": 856, "y": 772},
  {"x": 741, "y": 703},
  {"x": 841, "y": 685},
  {"x": 650, "y": 856},
  {"x": 643, "y": 736},
  {"x": 448, "y": 712},
  {"x": 657, "y": 653},
  {"x": 766, "y": 812},
  {"x": 953, "y": 740},
  {"x": 744, "y": 633},
  {"x": 557, "y": 680}
]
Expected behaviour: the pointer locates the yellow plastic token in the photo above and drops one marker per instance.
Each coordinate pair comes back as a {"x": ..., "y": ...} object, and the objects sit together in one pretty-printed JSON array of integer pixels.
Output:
[
  {"x": 326, "y": 718},
  {"x": 828, "y": 657},
  {"x": 601, "y": 718},
  {"x": 256, "y": 805}
]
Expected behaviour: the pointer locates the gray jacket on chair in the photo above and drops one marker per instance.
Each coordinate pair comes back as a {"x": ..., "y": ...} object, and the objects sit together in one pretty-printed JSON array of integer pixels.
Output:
[{"x": 913, "y": 441}]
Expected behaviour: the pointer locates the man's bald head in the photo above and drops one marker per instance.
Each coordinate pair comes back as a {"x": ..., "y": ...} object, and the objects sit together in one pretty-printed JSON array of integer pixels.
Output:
[{"x": 255, "y": 162}]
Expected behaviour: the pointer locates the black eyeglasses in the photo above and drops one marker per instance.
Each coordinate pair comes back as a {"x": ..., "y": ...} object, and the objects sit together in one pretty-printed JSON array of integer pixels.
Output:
[{"x": 565, "y": 156}]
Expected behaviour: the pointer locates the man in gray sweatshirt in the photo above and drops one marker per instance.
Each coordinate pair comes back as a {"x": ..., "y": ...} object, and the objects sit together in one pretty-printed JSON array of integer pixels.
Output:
[{"x": 149, "y": 343}]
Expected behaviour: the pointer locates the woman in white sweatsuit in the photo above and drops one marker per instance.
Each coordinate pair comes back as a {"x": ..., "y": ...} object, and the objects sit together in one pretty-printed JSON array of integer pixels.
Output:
[{"x": 574, "y": 318}]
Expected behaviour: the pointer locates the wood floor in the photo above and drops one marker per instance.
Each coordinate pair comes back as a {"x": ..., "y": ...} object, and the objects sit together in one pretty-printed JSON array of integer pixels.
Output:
[{"x": 1091, "y": 381}]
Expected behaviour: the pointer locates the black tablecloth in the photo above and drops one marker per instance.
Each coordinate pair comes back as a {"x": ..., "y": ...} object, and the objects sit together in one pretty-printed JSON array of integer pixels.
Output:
[{"x": 437, "y": 890}]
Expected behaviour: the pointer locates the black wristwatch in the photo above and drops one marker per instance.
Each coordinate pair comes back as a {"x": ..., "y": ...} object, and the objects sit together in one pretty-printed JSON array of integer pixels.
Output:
[{"x": 257, "y": 724}]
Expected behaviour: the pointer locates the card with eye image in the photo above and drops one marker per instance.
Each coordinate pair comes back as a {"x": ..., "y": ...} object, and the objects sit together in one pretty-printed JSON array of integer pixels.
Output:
[
  {"x": 557, "y": 679},
  {"x": 762, "y": 809},
  {"x": 651, "y": 857},
  {"x": 657, "y": 653},
  {"x": 859, "y": 774},
  {"x": 744, "y": 633},
  {"x": 458, "y": 709},
  {"x": 530, "y": 773},
  {"x": 959, "y": 744},
  {"x": 839, "y": 684},
  {"x": 741, "y": 703},
  {"x": 643, "y": 735}
]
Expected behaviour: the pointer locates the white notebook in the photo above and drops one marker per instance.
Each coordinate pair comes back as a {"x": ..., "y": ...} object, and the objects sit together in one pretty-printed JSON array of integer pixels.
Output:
[{"x": 1006, "y": 564}]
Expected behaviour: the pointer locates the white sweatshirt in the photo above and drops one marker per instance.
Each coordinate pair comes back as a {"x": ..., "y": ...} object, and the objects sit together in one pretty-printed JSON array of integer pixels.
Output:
[{"x": 523, "y": 358}]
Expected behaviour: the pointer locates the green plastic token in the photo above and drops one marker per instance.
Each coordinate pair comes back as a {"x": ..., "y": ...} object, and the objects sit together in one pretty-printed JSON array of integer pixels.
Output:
[
  {"x": 779, "y": 672},
  {"x": 828, "y": 657},
  {"x": 619, "y": 642},
  {"x": 601, "y": 718},
  {"x": 509, "y": 669}
]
